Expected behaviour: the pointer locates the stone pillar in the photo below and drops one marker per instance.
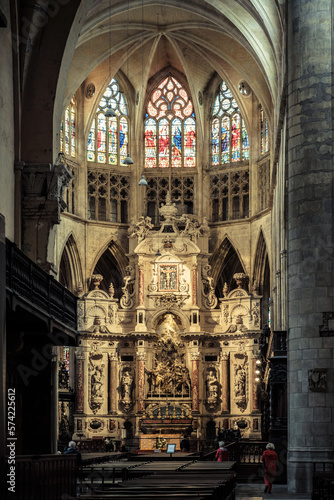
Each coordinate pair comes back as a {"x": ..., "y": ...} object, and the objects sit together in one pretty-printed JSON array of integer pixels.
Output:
[
  {"x": 225, "y": 381},
  {"x": 79, "y": 380},
  {"x": 141, "y": 381},
  {"x": 309, "y": 236},
  {"x": 195, "y": 382},
  {"x": 112, "y": 392}
]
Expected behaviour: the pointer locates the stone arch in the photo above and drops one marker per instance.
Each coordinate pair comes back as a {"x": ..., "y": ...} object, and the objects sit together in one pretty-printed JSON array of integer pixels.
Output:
[
  {"x": 225, "y": 262},
  {"x": 111, "y": 263},
  {"x": 261, "y": 275},
  {"x": 153, "y": 320},
  {"x": 261, "y": 263},
  {"x": 70, "y": 269}
]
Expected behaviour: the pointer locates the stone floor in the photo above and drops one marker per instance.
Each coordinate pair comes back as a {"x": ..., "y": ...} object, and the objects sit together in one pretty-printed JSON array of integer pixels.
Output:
[{"x": 255, "y": 492}]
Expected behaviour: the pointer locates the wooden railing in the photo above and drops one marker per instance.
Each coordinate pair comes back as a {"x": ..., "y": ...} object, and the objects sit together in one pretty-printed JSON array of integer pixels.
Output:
[
  {"x": 28, "y": 281},
  {"x": 45, "y": 476}
]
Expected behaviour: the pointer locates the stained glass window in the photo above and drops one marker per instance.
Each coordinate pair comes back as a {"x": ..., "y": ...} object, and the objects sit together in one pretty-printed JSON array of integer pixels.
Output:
[
  {"x": 264, "y": 132},
  {"x": 170, "y": 127},
  {"x": 108, "y": 139},
  {"x": 67, "y": 130},
  {"x": 229, "y": 138}
]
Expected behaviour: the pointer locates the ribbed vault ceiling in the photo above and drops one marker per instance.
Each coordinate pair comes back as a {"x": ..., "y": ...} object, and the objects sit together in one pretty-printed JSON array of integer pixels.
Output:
[{"x": 197, "y": 38}]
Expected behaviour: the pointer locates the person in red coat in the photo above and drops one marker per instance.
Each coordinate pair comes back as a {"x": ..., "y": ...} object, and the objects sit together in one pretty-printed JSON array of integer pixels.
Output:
[
  {"x": 221, "y": 453},
  {"x": 269, "y": 459}
]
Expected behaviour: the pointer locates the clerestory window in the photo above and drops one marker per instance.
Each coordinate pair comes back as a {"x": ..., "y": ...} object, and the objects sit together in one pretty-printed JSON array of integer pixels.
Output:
[
  {"x": 170, "y": 127},
  {"x": 108, "y": 140},
  {"x": 67, "y": 130},
  {"x": 229, "y": 138}
]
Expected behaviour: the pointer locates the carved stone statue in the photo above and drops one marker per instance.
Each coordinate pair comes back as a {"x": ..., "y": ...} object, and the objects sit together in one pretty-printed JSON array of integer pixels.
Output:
[
  {"x": 126, "y": 301},
  {"x": 192, "y": 228},
  {"x": 210, "y": 299},
  {"x": 140, "y": 228},
  {"x": 240, "y": 378},
  {"x": 211, "y": 389},
  {"x": 204, "y": 228},
  {"x": 126, "y": 384},
  {"x": 169, "y": 374},
  {"x": 96, "y": 382}
]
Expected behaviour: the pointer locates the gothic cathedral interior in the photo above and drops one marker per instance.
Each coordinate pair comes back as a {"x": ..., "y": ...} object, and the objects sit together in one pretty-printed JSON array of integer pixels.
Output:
[{"x": 166, "y": 223}]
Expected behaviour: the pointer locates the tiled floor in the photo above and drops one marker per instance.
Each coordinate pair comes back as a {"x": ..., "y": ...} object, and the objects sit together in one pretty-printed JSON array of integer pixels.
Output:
[{"x": 255, "y": 492}]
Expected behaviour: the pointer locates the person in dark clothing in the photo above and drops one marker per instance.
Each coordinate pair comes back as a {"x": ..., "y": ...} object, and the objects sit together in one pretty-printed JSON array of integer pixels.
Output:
[
  {"x": 185, "y": 445},
  {"x": 72, "y": 450},
  {"x": 269, "y": 459}
]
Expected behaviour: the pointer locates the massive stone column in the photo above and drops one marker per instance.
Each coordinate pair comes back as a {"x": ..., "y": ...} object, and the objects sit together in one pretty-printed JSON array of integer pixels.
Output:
[{"x": 310, "y": 233}]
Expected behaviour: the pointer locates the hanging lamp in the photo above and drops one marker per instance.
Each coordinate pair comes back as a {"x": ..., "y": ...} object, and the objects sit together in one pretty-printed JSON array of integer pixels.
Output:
[
  {"x": 109, "y": 113},
  {"x": 128, "y": 160},
  {"x": 143, "y": 181}
]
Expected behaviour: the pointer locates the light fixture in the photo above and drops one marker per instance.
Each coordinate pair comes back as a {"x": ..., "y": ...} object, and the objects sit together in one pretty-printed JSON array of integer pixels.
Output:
[
  {"x": 110, "y": 113},
  {"x": 143, "y": 181},
  {"x": 128, "y": 160},
  {"x": 158, "y": 253}
]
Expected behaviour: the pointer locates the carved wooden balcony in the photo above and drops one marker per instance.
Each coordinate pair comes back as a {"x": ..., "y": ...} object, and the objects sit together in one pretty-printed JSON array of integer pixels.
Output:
[{"x": 38, "y": 292}]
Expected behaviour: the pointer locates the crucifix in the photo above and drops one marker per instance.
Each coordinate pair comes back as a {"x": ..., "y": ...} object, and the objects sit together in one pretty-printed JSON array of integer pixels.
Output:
[{"x": 168, "y": 274}]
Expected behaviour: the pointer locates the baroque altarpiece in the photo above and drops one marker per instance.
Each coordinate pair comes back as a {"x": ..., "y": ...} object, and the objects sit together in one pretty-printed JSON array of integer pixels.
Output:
[{"x": 169, "y": 357}]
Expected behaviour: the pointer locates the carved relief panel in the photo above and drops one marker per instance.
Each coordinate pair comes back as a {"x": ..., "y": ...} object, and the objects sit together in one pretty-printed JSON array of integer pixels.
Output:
[
  {"x": 96, "y": 381},
  {"x": 240, "y": 379}
]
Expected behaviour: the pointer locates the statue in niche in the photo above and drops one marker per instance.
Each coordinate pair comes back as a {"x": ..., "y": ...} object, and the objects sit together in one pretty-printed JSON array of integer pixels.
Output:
[
  {"x": 126, "y": 385},
  {"x": 96, "y": 382},
  {"x": 240, "y": 378},
  {"x": 169, "y": 326},
  {"x": 211, "y": 388}
]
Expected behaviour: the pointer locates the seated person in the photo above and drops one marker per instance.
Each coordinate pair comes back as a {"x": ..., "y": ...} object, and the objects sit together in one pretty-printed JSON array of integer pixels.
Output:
[{"x": 72, "y": 450}]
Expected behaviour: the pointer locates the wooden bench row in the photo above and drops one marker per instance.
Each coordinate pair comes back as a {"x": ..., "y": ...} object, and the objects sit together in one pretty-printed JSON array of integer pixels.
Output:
[{"x": 180, "y": 485}]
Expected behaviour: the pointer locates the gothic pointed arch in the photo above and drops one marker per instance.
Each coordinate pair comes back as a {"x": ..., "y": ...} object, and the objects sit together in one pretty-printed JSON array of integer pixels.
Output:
[
  {"x": 111, "y": 265},
  {"x": 261, "y": 276},
  {"x": 260, "y": 262},
  {"x": 70, "y": 269},
  {"x": 225, "y": 262}
]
